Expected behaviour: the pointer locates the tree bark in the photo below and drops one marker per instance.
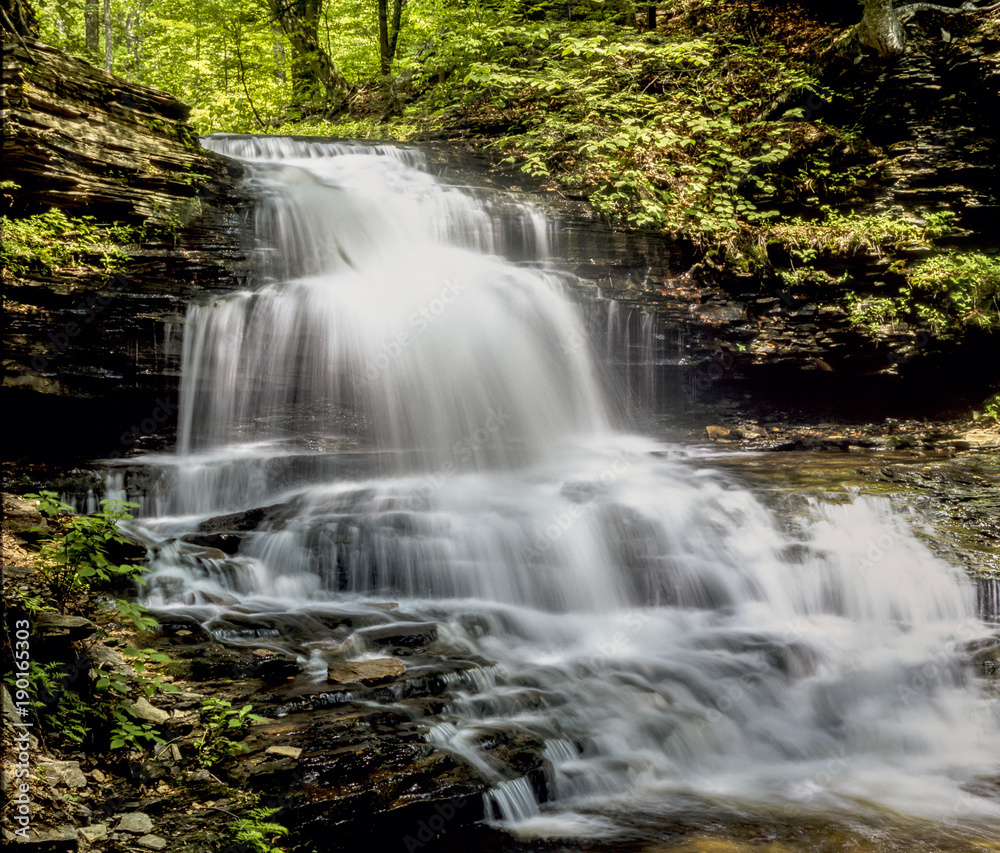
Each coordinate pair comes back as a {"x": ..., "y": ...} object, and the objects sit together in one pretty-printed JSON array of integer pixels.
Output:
[
  {"x": 651, "y": 16},
  {"x": 388, "y": 33},
  {"x": 880, "y": 29},
  {"x": 315, "y": 77},
  {"x": 385, "y": 63},
  {"x": 397, "y": 19},
  {"x": 108, "y": 56},
  {"x": 92, "y": 28}
]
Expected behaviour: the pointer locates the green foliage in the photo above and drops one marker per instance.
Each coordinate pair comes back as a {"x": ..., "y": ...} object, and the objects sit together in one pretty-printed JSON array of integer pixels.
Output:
[
  {"x": 222, "y": 726},
  {"x": 228, "y": 60},
  {"x": 991, "y": 407},
  {"x": 30, "y": 604},
  {"x": 57, "y": 708},
  {"x": 131, "y": 735},
  {"x": 76, "y": 555},
  {"x": 47, "y": 242},
  {"x": 843, "y": 233},
  {"x": 71, "y": 559},
  {"x": 873, "y": 312},
  {"x": 257, "y": 832},
  {"x": 956, "y": 290},
  {"x": 656, "y": 131}
]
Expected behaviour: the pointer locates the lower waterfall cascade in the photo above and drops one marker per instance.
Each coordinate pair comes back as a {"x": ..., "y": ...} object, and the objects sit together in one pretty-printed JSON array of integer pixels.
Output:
[{"x": 412, "y": 393}]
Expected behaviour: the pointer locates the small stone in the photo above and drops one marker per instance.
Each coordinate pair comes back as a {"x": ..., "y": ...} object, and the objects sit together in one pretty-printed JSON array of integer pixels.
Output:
[
  {"x": 148, "y": 712},
  {"x": 152, "y": 842},
  {"x": 138, "y": 823},
  {"x": 61, "y": 840},
  {"x": 717, "y": 432},
  {"x": 175, "y": 752},
  {"x": 98, "y": 776},
  {"x": 97, "y": 832},
  {"x": 103, "y": 657},
  {"x": 10, "y": 714},
  {"x": 364, "y": 671},
  {"x": 52, "y": 625},
  {"x": 66, "y": 773},
  {"x": 284, "y": 751}
]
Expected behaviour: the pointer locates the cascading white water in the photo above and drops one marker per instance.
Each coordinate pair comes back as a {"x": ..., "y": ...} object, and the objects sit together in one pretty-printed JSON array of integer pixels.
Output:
[{"x": 411, "y": 381}]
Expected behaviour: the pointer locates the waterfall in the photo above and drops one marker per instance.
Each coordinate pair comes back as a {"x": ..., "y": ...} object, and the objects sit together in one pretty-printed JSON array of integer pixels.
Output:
[{"x": 412, "y": 393}]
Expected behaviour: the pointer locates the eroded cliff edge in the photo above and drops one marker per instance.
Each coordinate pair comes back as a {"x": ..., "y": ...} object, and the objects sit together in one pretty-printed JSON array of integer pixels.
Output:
[{"x": 92, "y": 347}]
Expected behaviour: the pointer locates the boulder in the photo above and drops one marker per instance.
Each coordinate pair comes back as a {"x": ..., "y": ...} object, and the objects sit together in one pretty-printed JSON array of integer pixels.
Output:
[
  {"x": 144, "y": 710},
  {"x": 367, "y": 672},
  {"x": 55, "y": 625},
  {"x": 63, "y": 773},
  {"x": 137, "y": 823}
]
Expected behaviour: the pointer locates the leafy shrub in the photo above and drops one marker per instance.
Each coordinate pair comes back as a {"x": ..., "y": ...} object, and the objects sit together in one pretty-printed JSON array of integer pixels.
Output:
[
  {"x": 75, "y": 556},
  {"x": 223, "y": 725},
  {"x": 957, "y": 290},
  {"x": 47, "y": 242}
]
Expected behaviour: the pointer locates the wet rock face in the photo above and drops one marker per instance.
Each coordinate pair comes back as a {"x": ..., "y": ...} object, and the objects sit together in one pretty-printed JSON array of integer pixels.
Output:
[
  {"x": 103, "y": 352},
  {"x": 936, "y": 111}
]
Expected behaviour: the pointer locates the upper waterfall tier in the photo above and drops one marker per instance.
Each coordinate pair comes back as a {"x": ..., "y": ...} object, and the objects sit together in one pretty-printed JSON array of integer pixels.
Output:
[{"x": 391, "y": 305}]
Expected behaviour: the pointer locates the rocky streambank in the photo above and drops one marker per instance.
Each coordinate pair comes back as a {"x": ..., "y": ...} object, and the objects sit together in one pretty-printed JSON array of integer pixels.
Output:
[
  {"x": 93, "y": 339},
  {"x": 351, "y": 705}
]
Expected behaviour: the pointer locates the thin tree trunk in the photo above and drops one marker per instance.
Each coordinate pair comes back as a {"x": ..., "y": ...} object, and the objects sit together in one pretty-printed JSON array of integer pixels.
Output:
[
  {"x": 385, "y": 63},
  {"x": 92, "y": 28},
  {"x": 108, "y": 57},
  {"x": 651, "y": 16},
  {"x": 388, "y": 33},
  {"x": 243, "y": 79},
  {"x": 397, "y": 18}
]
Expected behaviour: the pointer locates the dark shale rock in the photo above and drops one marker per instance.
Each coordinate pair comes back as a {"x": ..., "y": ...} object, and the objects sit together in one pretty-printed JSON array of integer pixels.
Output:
[
  {"x": 50, "y": 625},
  {"x": 403, "y": 635},
  {"x": 80, "y": 347}
]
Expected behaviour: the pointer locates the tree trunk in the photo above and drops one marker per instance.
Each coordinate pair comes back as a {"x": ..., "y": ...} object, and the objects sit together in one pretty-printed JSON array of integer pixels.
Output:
[
  {"x": 314, "y": 75},
  {"x": 880, "y": 29},
  {"x": 388, "y": 33},
  {"x": 92, "y": 28},
  {"x": 385, "y": 63},
  {"x": 651, "y": 16},
  {"x": 108, "y": 59},
  {"x": 133, "y": 39},
  {"x": 397, "y": 18}
]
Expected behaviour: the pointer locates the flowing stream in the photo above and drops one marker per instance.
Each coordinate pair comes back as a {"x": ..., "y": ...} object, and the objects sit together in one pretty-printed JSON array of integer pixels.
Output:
[{"x": 411, "y": 388}]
